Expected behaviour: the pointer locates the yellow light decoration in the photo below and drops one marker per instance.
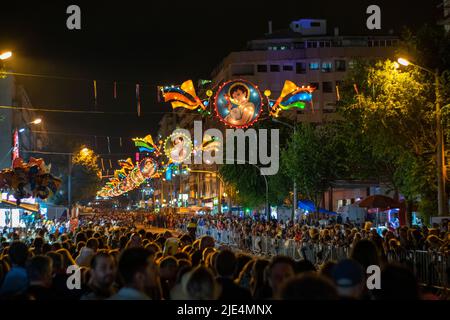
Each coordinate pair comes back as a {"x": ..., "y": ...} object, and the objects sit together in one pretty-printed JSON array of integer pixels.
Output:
[{"x": 267, "y": 93}]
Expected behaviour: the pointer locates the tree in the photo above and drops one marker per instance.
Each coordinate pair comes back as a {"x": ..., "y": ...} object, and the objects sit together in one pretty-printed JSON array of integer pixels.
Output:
[
  {"x": 315, "y": 158},
  {"x": 85, "y": 178},
  {"x": 392, "y": 110},
  {"x": 249, "y": 183}
]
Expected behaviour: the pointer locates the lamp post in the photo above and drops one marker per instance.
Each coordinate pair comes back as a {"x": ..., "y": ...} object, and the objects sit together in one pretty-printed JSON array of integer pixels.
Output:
[
  {"x": 440, "y": 156},
  {"x": 294, "y": 205}
]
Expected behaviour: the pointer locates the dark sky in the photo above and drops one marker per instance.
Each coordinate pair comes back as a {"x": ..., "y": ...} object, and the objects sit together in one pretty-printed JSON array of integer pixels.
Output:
[{"x": 154, "y": 42}]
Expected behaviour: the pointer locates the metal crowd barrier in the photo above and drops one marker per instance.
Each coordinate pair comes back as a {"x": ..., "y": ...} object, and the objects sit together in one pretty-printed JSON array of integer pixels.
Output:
[{"x": 431, "y": 268}]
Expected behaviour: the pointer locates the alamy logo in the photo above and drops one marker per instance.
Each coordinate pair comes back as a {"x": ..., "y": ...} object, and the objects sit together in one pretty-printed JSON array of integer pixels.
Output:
[
  {"x": 374, "y": 277},
  {"x": 374, "y": 20},
  {"x": 74, "y": 20},
  {"x": 236, "y": 147},
  {"x": 74, "y": 279}
]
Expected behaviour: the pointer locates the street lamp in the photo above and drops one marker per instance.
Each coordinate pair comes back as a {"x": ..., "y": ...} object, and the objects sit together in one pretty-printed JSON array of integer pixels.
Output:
[
  {"x": 5, "y": 55},
  {"x": 294, "y": 209},
  {"x": 440, "y": 157}
]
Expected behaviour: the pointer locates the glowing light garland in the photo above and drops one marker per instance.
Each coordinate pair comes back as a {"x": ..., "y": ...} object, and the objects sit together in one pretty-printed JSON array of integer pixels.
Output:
[{"x": 238, "y": 103}]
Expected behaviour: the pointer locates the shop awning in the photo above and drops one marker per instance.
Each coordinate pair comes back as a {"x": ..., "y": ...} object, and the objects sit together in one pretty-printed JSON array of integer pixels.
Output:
[
  {"x": 309, "y": 206},
  {"x": 24, "y": 206}
]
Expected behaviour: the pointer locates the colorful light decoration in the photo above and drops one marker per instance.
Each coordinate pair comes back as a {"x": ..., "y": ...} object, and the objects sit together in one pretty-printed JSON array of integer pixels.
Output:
[
  {"x": 127, "y": 179},
  {"x": 238, "y": 103},
  {"x": 183, "y": 96},
  {"x": 32, "y": 179},
  {"x": 178, "y": 147},
  {"x": 291, "y": 96}
]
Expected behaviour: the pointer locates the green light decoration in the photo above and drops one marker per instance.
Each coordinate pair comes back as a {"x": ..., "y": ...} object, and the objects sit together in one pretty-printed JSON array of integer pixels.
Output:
[{"x": 297, "y": 104}]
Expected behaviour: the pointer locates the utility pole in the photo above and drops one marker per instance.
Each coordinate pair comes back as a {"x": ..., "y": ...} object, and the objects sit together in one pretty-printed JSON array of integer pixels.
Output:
[{"x": 440, "y": 156}]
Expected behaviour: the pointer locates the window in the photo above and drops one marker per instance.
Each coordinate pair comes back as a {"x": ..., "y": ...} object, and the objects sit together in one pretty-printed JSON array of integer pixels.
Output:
[
  {"x": 242, "y": 70},
  {"x": 327, "y": 86},
  {"x": 288, "y": 68},
  {"x": 315, "y": 24},
  {"x": 274, "y": 68},
  {"x": 339, "y": 65},
  {"x": 261, "y": 68},
  {"x": 299, "y": 45},
  {"x": 300, "y": 67},
  {"x": 315, "y": 85},
  {"x": 327, "y": 66},
  {"x": 311, "y": 44},
  {"x": 351, "y": 64},
  {"x": 313, "y": 66}
]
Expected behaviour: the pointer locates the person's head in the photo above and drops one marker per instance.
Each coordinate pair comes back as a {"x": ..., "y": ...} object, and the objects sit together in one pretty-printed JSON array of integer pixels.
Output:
[
  {"x": 18, "y": 253},
  {"x": 327, "y": 269},
  {"x": 241, "y": 260},
  {"x": 398, "y": 283},
  {"x": 135, "y": 241},
  {"x": 154, "y": 247},
  {"x": 304, "y": 266},
  {"x": 278, "y": 270},
  {"x": 181, "y": 255},
  {"x": 196, "y": 258},
  {"x": 308, "y": 286},
  {"x": 206, "y": 253},
  {"x": 199, "y": 284},
  {"x": 245, "y": 276},
  {"x": 205, "y": 242},
  {"x": 239, "y": 93},
  {"x": 67, "y": 258},
  {"x": 168, "y": 268},
  {"x": 349, "y": 278},
  {"x": 81, "y": 236},
  {"x": 366, "y": 253},
  {"x": 185, "y": 240},
  {"x": 225, "y": 263},
  {"x": 38, "y": 242},
  {"x": 92, "y": 244},
  {"x": 58, "y": 261},
  {"x": 103, "y": 270},
  {"x": 137, "y": 269},
  {"x": 40, "y": 271}
]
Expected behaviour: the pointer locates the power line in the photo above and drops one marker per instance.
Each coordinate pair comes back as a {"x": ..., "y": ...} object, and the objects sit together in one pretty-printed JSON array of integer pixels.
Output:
[{"x": 82, "y": 111}]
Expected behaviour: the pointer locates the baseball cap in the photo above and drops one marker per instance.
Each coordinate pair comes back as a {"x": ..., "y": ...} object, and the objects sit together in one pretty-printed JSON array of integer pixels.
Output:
[{"x": 347, "y": 273}]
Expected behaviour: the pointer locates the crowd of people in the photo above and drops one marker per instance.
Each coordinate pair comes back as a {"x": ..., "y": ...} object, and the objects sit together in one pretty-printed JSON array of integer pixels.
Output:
[
  {"x": 107, "y": 257},
  {"x": 333, "y": 233}
]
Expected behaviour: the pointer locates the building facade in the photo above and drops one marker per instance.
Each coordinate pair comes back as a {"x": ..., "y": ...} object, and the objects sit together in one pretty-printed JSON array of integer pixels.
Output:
[{"x": 15, "y": 122}]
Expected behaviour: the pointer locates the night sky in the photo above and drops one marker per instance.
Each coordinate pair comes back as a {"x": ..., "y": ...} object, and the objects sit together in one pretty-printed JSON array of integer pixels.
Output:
[{"x": 153, "y": 44}]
